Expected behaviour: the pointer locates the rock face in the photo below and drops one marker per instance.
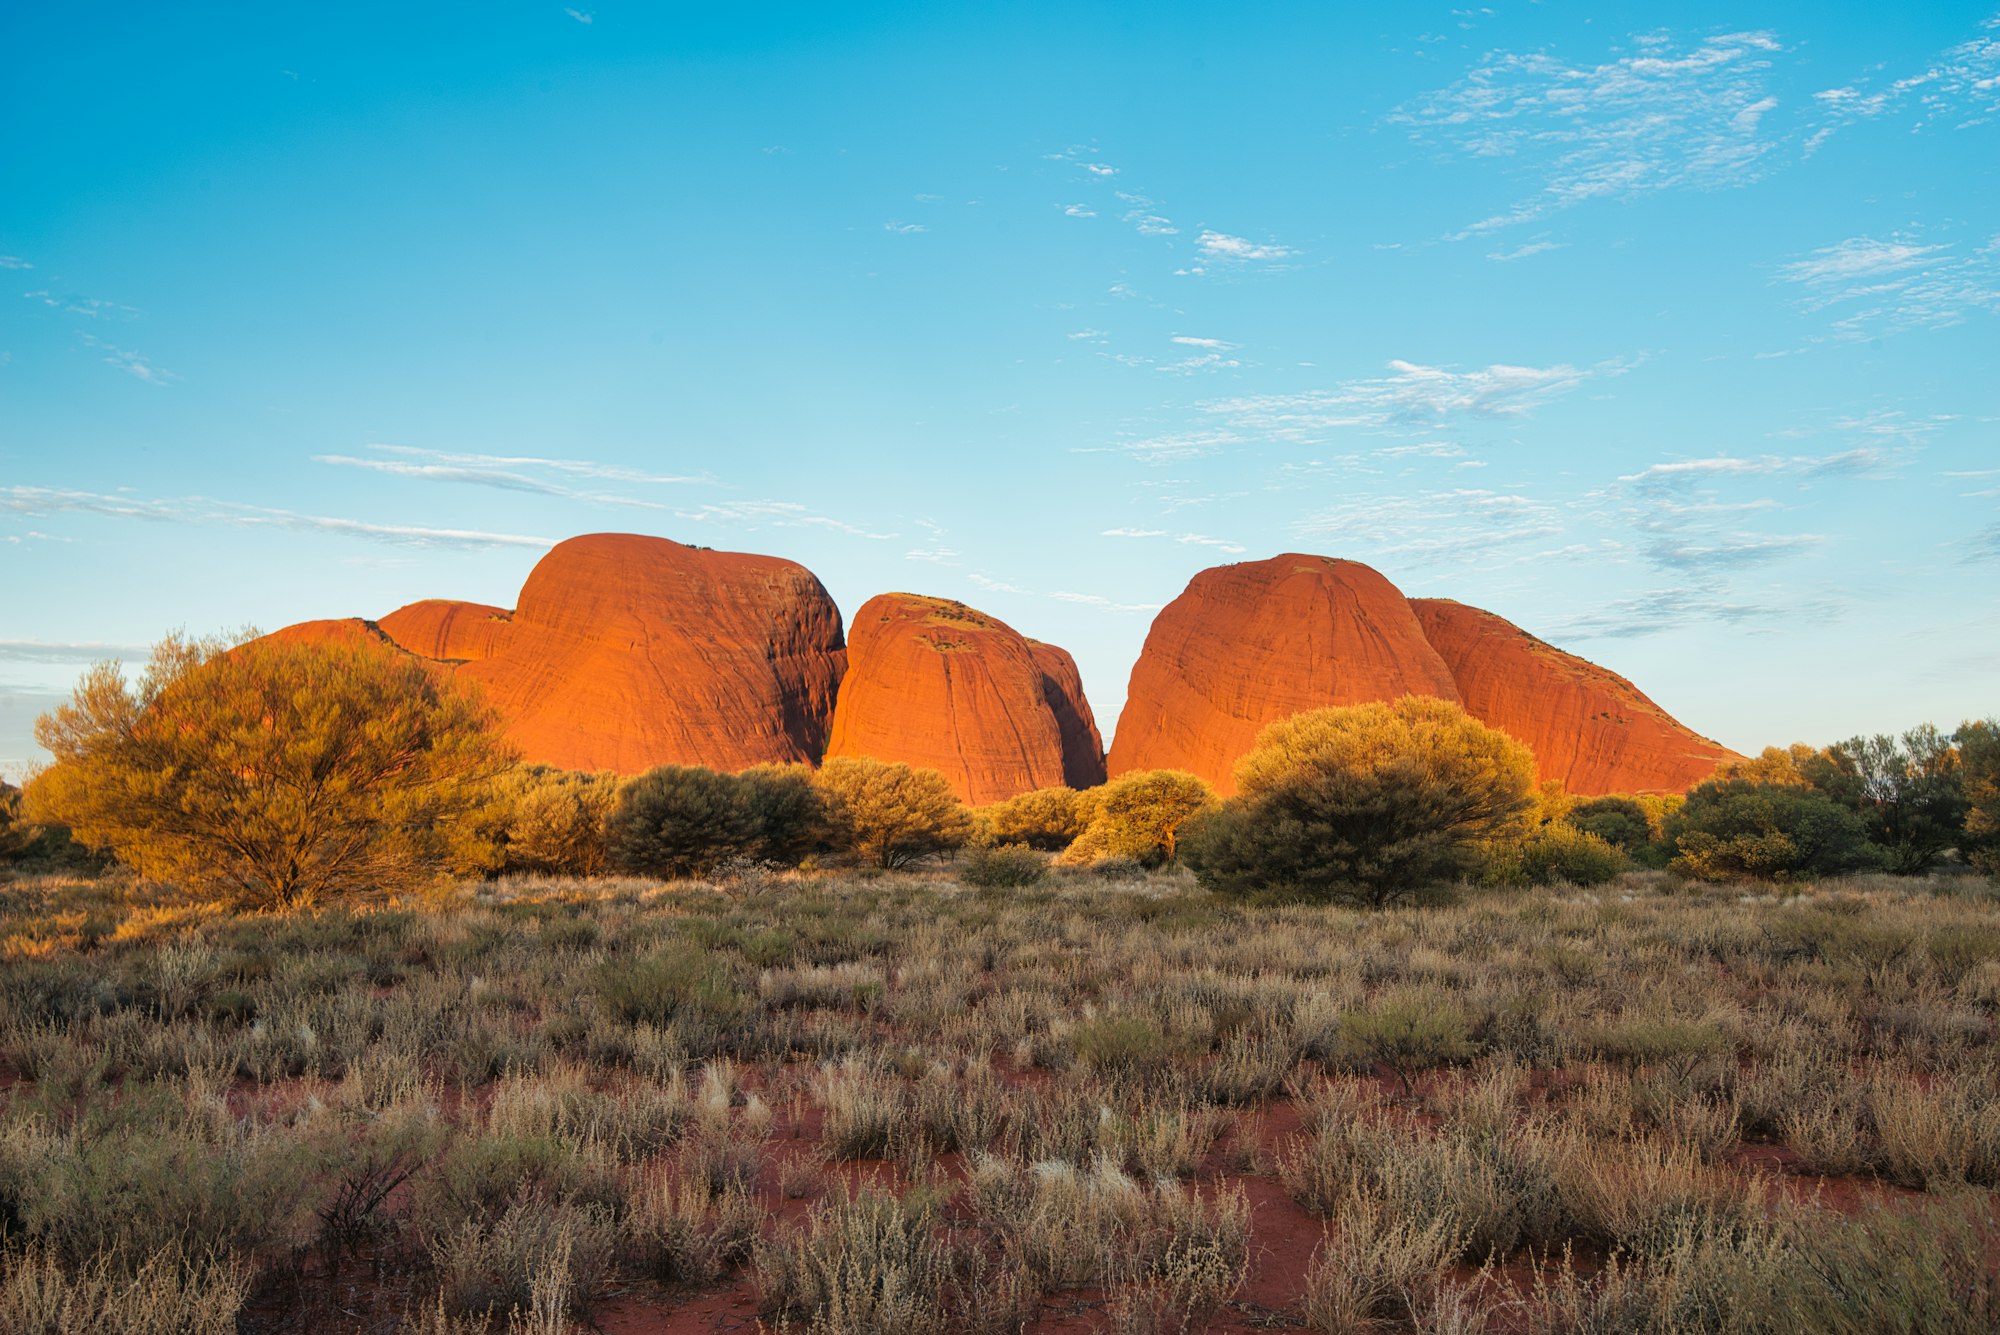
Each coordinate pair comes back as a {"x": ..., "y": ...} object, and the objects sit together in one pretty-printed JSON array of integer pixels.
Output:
[
  {"x": 344, "y": 631},
  {"x": 1062, "y": 687},
  {"x": 448, "y": 631},
  {"x": 1248, "y": 644},
  {"x": 936, "y": 684},
  {"x": 628, "y": 652},
  {"x": 1587, "y": 726}
]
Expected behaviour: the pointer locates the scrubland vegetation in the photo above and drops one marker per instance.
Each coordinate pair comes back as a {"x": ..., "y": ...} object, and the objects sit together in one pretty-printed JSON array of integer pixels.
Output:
[
  {"x": 892, "y": 1102},
  {"x": 363, "y": 1028}
]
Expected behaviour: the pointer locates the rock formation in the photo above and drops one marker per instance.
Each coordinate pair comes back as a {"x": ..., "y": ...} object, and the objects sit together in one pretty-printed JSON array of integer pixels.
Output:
[
  {"x": 1248, "y": 644},
  {"x": 934, "y": 683},
  {"x": 1252, "y": 643},
  {"x": 627, "y": 652},
  {"x": 1587, "y": 726},
  {"x": 1062, "y": 687},
  {"x": 448, "y": 631}
]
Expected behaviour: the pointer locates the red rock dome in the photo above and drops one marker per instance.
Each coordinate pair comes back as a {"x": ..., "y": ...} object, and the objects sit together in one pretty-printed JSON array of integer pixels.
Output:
[
  {"x": 937, "y": 684},
  {"x": 1588, "y": 726},
  {"x": 1248, "y": 644},
  {"x": 628, "y": 652},
  {"x": 451, "y": 632}
]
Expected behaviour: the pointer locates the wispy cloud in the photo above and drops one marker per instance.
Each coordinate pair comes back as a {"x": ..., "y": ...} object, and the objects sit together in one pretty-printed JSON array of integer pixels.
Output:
[
  {"x": 773, "y": 514},
  {"x": 1437, "y": 526},
  {"x": 1222, "y": 246},
  {"x": 1078, "y": 211},
  {"x": 1185, "y": 539},
  {"x": 503, "y": 473},
  {"x": 581, "y": 15},
  {"x": 131, "y": 363},
  {"x": 904, "y": 228},
  {"x": 1173, "y": 446},
  {"x": 1411, "y": 396},
  {"x": 1659, "y": 610},
  {"x": 1660, "y": 116},
  {"x": 1213, "y": 344},
  {"x": 1683, "y": 474},
  {"x": 14, "y": 262},
  {"x": 202, "y": 511},
  {"x": 82, "y": 651},
  {"x": 96, "y": 308},
  {"x": 1525, "y": 251},
  {"x": 586, "y": 468},
  {"x": 1877, "y": 288},
  {"x": 1961, "y": 86}
]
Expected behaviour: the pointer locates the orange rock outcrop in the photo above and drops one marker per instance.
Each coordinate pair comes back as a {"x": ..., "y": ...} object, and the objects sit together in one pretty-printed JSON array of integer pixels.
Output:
[
  {"x": 627, "y": 652},
  {"x": 937, "y": 684},
  {"x": 451, "y": 632},
  {"x": 1248, "y": 644},
  {"x": 1587, "y": 726},
  {"x": 1062, "y": 687}
]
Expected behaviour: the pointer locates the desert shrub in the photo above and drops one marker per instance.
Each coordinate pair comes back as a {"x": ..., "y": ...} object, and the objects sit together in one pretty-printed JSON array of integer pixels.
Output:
[
  {"x": 685, "y": 1231},
  {"x": 680, "y": 986},
  {"x": 786, "y": 809},
  {"x": 275, "y": 773},
  {"x": 1625, "y": 824},
  {"x": 537, "y": 1254},
  {"x": 1007, "y": 867},
  {"x": 1049, "y": 819},
  {"x": 1557, "y": 854},
  {"x": 1140, "y": 816},
  {"x": 1126, "y": 1045},
  {"x": 1365, "y": 804},
  {"x": 1407, "y": 1034},
  {"x": 166, "y": 1293},
  {"x": 555, "y": 820},
  {"x": 1733, "y": 829},
  {"x": 1979, "y": 759},
  {"x": 1376, "y": 1270},
  {"x": 890, "y": 815},
  {"x": 681, "y": 820},
  {"x": 863, "y": 1263}
]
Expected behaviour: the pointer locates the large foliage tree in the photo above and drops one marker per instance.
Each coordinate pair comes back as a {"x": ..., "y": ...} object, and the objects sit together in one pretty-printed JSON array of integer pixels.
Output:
[
  {"x": 1737, "y": 829},
  {"x": 892, "y": 815},
  {"x": 275, "y": 773},
  {"x": 1909, "y": 792},
  {"x": 1979, "y": 754},
  {"x": 1366, "y": 804}
]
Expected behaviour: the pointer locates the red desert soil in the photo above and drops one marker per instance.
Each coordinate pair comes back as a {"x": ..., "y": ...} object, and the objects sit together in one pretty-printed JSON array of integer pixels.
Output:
[
  {"x": 940, "y": 685},
  {"x": 1588, "y": 726}
]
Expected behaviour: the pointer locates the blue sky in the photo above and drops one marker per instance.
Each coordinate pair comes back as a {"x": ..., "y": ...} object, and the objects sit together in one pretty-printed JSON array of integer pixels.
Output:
[{"x": 1668, "y": 332}]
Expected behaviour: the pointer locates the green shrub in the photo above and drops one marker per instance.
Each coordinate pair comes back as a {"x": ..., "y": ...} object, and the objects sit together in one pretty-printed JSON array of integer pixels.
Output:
[
  {"x": 1737, "y": 829},
  {"x": 1557, "y": 854},
  {"x": 1625, "y": 824},
  {"x": 1409, "y": 1035},
  {"x": 787, "y": 810},
  {"x": 554, "y": 821},
  {"x": 1008, "y": 867},
  {"x": 679, "y": 986},
  {"x": 1367, "y": 804},
  {"x": 1141, "y": 815},
  {"x": 681, "y": 820},
  {"x": 1049, "y": 819},
  {"x": 891, "y": 815}
]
